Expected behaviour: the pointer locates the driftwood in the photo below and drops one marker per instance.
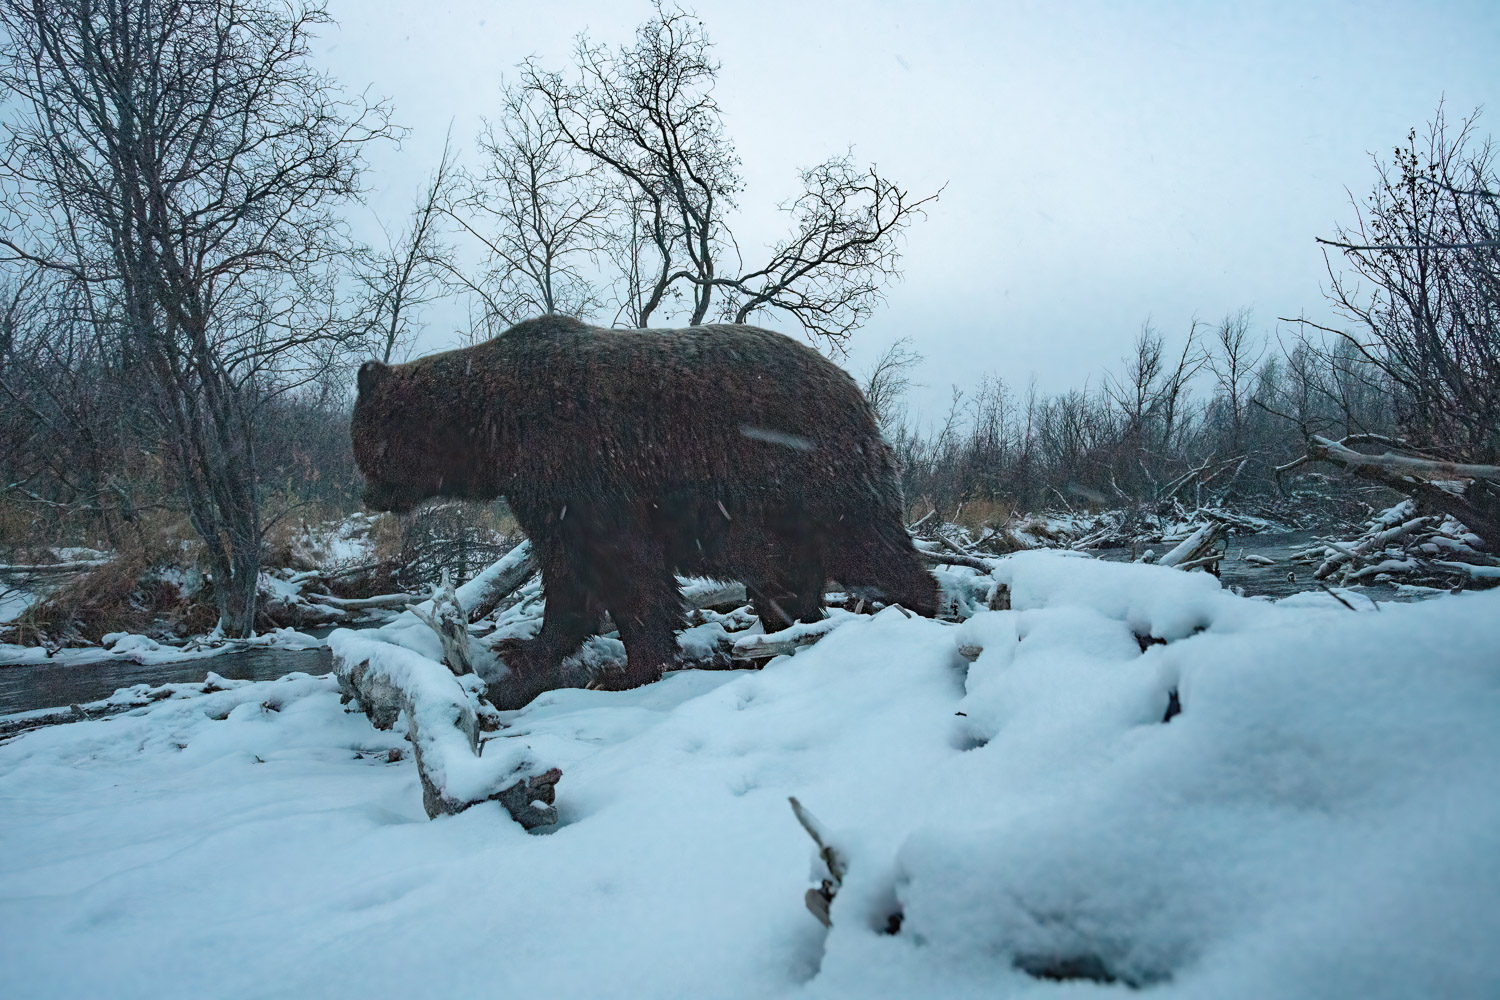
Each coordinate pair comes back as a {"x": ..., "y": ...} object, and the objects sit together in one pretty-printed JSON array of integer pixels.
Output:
[
  {"x": 700, "y": 594},
  {"x": 446, "y": 616},
  {"x": 1476, "y": 504},
  {"x": 363, "y": 603},
  {"x": 486, "y": 591},
  {"x": 788, "y": 640},
  {"x": 1198, "y": 548},
  {"x": 1400, "y": 545},
  {"x": 947, "y": 553},
  {"x": 41, "y": 569},
  {"x": 387, "y": 681}
]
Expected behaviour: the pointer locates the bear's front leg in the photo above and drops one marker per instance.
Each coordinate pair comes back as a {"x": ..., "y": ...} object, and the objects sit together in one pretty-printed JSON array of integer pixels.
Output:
[{"x": 569, "y": 617}]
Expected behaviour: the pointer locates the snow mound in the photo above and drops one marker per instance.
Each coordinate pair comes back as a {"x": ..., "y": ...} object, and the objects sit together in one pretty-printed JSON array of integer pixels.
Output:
[{"x": 1318, "y": 820}]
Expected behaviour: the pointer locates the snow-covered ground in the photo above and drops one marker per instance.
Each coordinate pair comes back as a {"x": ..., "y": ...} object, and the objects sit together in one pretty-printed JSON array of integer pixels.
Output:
[{"x": 1322, "y": 819}]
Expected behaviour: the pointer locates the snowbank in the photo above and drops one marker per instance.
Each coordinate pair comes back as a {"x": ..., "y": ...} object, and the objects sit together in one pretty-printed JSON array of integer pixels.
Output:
[{"x": 1320, "y": 820}]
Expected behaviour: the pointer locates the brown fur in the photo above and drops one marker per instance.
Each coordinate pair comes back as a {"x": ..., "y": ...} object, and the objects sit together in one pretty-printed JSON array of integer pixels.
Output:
[{"x": 631, "y": 455}]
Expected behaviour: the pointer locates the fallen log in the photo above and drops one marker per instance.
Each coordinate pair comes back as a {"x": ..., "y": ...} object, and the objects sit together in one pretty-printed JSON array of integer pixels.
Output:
[
  {"x": 446, "y": 616},
  {"x": 483, "y": 594},
  {"x": 387, "y": 681},
  {"x": 41, "y": 569},
  {"x": 1477, "y": 504},
  {"x": 363, "y": 603},
  {"x": 1197, "y": 548},
  {"x": 700, "y": 594},
  {"x": 1375, "y": 541},
  {"x": 1429, "y": 549},
  {"x": 932, "y": 552},
  {"x": 784, "y": 642},
  {"x": 1209, "y": 562}
]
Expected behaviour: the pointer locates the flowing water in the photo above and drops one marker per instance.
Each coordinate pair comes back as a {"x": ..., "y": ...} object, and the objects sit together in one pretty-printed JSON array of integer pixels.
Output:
[{"x": 45, "y": 685}]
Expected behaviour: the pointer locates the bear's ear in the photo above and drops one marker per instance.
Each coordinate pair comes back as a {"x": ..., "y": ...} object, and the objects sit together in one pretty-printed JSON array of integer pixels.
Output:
[{"x": 370, "y": 373}]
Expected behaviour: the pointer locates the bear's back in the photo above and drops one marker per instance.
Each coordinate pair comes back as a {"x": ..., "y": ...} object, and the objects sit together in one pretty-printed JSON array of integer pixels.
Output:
[{"x": 715, "y": 402}]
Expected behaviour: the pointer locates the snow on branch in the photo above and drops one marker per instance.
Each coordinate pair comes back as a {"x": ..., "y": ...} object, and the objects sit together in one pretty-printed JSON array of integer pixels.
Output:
[{"x": 1322, "y": 449}]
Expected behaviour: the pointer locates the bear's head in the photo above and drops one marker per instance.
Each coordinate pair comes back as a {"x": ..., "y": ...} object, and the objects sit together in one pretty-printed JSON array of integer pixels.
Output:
[{"x": 400, "y": 444}]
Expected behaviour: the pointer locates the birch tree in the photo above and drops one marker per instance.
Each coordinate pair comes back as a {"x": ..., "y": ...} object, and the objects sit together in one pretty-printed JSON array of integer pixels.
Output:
[{"x": 181, "y": 162}]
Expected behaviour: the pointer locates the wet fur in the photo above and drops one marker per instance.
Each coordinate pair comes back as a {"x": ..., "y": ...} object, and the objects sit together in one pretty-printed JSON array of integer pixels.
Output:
[{"x": 630, "y": 456}]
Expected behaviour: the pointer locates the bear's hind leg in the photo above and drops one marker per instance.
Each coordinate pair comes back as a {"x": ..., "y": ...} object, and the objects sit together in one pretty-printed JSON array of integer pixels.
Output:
[
  {"x": 784, "y": 602},
  {"x": 647, "y": 608},
  {"x": 889, "y": 569}
]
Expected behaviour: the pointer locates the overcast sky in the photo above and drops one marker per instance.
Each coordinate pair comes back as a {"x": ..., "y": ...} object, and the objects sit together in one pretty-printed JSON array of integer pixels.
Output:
[{"x": 1106, "y": 163}]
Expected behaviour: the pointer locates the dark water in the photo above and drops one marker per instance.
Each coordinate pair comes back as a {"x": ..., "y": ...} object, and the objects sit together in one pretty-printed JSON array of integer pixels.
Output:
[
  {"x": 1261, "y": 581},
  {"x": 47, "y": 685}
]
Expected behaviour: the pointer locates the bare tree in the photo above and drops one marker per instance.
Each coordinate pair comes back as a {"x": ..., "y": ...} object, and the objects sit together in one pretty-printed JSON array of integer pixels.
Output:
[
  {"x": 542, "y": 213},
  {"x": 1422, "y": 287},
  {"x": 889, "y": 378},
  {"x": 843, "y": 250},
  {"x": 410, "y": 272},
  {"x": 1233, "y": 358},
  {"x": 646, "y": 114},
  {"x": 179, "y": 161}
]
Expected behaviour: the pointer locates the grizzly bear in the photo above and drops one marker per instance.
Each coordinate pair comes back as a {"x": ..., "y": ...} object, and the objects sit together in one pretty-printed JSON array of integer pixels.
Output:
[{"x": 630, "y": 456}]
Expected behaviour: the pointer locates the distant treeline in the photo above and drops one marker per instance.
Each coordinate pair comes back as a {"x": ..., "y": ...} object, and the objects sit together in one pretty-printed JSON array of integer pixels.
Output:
[{"x": 1209, "y": 420}]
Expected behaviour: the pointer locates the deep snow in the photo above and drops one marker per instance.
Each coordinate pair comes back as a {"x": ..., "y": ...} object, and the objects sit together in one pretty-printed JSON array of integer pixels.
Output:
[{"x": 1321, "y": 820}]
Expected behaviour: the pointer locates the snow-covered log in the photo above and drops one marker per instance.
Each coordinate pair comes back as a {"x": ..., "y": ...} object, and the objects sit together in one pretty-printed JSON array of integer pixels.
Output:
[
  {"x": 1381, "y": 534},
  {"x": 40, "y": 569},
  {"x": 699, "y": 594},
  {"x": 785, "y": 641},
  {"x": 949, "y": 554},
  {"x": 363, "y": 603},
  {"x": 1197, "y": 549},
  {"x": 1399, "y": 545},
  {"x": 456, "y": 770},
  {"x": 484, "y": 593}
]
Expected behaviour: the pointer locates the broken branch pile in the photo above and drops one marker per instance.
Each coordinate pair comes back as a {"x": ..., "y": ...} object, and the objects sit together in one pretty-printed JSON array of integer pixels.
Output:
[
  {"x": 1400, "y": 545},
  {"x": 1447, "y": 532}
]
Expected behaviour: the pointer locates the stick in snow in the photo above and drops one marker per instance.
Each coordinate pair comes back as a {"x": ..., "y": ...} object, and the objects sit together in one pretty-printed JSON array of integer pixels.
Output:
[{"x": 836, "y": 866}]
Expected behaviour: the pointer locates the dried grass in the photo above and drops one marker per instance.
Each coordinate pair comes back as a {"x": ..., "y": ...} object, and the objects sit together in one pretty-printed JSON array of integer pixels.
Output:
[
  {"x": 976, "y": 515},
  {"x": 126, "y": 594}
]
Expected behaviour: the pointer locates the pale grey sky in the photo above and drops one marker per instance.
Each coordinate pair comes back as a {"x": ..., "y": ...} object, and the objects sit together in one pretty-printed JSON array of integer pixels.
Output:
[{"x": 1105, "y": 162}]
